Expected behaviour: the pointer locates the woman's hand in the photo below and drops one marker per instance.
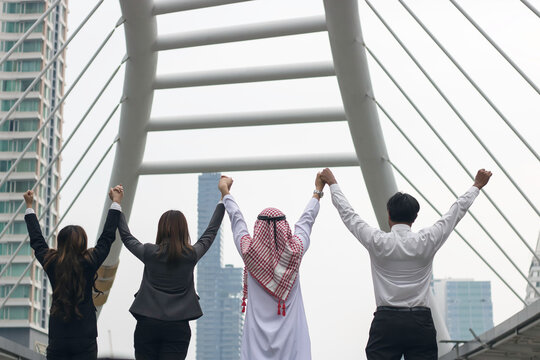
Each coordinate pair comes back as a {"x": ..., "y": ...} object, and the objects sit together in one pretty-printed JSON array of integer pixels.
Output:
[
  {"x": 116, "y": 194},
  {"x": 29, "y": 198}
]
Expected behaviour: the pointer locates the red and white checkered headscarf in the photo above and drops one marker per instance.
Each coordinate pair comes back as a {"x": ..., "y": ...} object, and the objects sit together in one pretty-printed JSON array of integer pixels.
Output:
[{"x": 272, "y": 256}]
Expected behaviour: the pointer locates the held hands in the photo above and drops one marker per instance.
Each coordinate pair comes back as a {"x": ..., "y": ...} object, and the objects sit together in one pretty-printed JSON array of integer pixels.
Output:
[
  {"x": 481, "y": 178},
  {"x": 116, "y": 193},
  {"x": 29, "y": 198},
  {"x": 328, "y": 177},
  {"x": 224, "y": 185}
]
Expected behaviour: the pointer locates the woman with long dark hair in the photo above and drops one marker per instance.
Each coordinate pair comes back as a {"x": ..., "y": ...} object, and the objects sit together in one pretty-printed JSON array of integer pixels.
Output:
[
  {"x": 71, "y": 269},
  {"x": 166, "y": 300}
]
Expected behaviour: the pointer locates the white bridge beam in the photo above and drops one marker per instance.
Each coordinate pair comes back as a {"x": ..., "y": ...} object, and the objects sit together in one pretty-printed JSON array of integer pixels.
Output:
[
  {"x": 249, "y": 164},
  {"x": 281, "y": 117},
  {"x": 245, "y": 75},
  {"x": 140, "y": 31},
  {"x": 241, "y": 33}
]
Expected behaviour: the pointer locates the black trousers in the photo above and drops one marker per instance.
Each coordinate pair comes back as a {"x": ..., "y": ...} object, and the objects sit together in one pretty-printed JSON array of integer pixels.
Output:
[
  {"x": 161, "y": 340},
  {"x": 72, "y": 349},
  {"x": 396, "y": 333}
]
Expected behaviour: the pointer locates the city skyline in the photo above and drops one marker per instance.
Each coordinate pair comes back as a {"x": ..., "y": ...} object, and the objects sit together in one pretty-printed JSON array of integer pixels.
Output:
[{"x": 349, "y": 274}]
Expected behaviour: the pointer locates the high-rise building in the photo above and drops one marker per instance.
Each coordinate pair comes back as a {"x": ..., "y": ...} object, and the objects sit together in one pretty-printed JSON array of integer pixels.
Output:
[
  {"x": 220, "y": 288},
  {"x": 534, "y": 276},
  {"x": 465, "y": 304},
  {"x": 24, "y": 318}
]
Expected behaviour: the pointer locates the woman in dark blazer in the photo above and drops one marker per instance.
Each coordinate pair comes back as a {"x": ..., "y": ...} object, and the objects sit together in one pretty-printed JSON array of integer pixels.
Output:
[
  {"x": 166, "y": 299},
  {"x": 71, "y": 269}
]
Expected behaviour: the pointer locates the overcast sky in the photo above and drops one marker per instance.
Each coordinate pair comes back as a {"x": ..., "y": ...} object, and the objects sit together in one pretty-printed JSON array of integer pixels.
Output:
[{"x": 335, "y": 273}]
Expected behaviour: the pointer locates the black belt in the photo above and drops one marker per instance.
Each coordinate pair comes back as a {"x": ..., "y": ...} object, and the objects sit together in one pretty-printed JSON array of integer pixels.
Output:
[{"x": 394, "y": 308}]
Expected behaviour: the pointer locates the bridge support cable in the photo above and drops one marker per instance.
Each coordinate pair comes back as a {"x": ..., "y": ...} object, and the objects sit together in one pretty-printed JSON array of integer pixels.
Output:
[
  {"x": 258, "y": 31},
  {"x": 279, "y": 117},
  {"x": 471, "y": 81},
  {"x": 171, "y": 6},
  {"x": 49, "y": 64},
  {"x": 29, "y": 31},
  {"x": 57, "y": 156},
  {"x": 351, "y": 68},
  {"x": 451, "y": 151},
  {"x": 471, "y": 213},
  {"x": 244, "y": 75},
  {"x": 249, "y": 164},
  {"x": 53, "y": 199},
  {"x": 454, "y": 109},
  {"x": 23, "y": 275},
  {"x": 531, "y": 7},
  {"x": 497, "y": 47},
  {"x": 53, "y": 111},
  {"x": 457, "y": 232}
]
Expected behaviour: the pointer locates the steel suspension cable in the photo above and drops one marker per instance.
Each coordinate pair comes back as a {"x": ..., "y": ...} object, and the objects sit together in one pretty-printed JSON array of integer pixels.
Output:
[
  {"x": 29, "y": 31},
  {"x": 531, "y": 7},
  {"x": 490, "y": 236},
  {"x": 49, "y": 64},
  {"x": 449, "y": 149},
  {"x": 471, "y": 81},
  {"x": 454, "y": 109},
  {"x": 64, "y": 145},
  {"x": 53, "y": 112},
  {"x": 497, "y": 47},
  {"x": 53, "y": 199},
  {"x": 456, "y": 231},
  {"x": 57, "y": 224}
]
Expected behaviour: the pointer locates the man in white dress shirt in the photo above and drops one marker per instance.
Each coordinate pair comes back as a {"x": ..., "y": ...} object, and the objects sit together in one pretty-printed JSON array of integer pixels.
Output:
[{"x": 401, "y": 268}]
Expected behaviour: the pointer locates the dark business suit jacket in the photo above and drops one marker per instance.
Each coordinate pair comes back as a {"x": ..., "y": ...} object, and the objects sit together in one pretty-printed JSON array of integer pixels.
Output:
[
  {"x": 85, "y": 327},
  {"x": 167, "y": 291}
]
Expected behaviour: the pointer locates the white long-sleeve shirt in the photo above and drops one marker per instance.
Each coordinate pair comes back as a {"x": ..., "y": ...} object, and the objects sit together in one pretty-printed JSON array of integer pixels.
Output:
[
  {"x": 267, "y": 335},
  {"x": 401, "y": 260}
]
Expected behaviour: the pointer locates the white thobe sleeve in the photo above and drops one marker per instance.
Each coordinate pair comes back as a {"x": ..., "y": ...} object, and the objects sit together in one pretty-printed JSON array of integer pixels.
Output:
[
  {"x": 441, "y": 230},
  {"x": 358, "y": 227},
  {"x": 238, "y": 224},
  {"x": 303, "y": 226}
]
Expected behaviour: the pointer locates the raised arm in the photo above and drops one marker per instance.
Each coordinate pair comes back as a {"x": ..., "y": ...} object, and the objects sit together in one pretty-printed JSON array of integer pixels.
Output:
[
  {"x": 207, "y": 238},
  {"x": 441, "y": 230},
  {"x": 37, "y": 241},
  {"x": 303, "y": 226},
  {"x": 238, "y": 224},
  {"x": 356, "y": 225},
  {"x": 131, "y": 243},
  {"x": 103, "y": 245}
]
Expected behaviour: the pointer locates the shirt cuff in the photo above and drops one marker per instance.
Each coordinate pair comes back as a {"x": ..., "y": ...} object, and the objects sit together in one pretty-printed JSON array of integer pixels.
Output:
[
  {"x": 29, "y": 211},
  {"x": 227, "y": 197},
  {"x": 334, "y": 187},
  {"x": 474, "y": 189},
  {"x": 115, "y": 206}
]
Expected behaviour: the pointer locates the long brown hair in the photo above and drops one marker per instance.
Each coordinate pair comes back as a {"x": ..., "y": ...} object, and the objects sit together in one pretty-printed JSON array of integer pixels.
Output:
[
  {"x": 68, "y": 291},
  {"x": 173, "y": 232}
]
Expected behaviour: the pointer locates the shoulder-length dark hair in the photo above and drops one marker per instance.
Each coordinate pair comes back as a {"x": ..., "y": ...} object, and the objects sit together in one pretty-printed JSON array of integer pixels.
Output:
[
  {"x": 70, "y": 282},
  {"x": 173, "y": 235}
]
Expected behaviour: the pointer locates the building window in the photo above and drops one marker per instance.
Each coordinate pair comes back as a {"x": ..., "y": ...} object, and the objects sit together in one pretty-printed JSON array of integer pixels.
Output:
[
  {"x": 21, "y": 291},
  {"x": 14, "y": 313},
  {"x": 16, "y": 269}
]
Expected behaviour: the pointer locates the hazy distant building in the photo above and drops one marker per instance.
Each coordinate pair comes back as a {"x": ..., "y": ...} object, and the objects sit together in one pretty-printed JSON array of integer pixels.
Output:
[
  {"x": 24, "y": 318},
  {"x": 219, "y": 330},
  {"x": 534, "y": 276},
  {"x": 465, "y": 304}
]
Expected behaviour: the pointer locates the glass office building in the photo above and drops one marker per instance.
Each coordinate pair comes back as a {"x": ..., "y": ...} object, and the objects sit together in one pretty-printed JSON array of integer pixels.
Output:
[
  {"x": 219, "y": 287},
  {"x": 24, "y": 317},
  {"x": 466, "y": 304}
]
